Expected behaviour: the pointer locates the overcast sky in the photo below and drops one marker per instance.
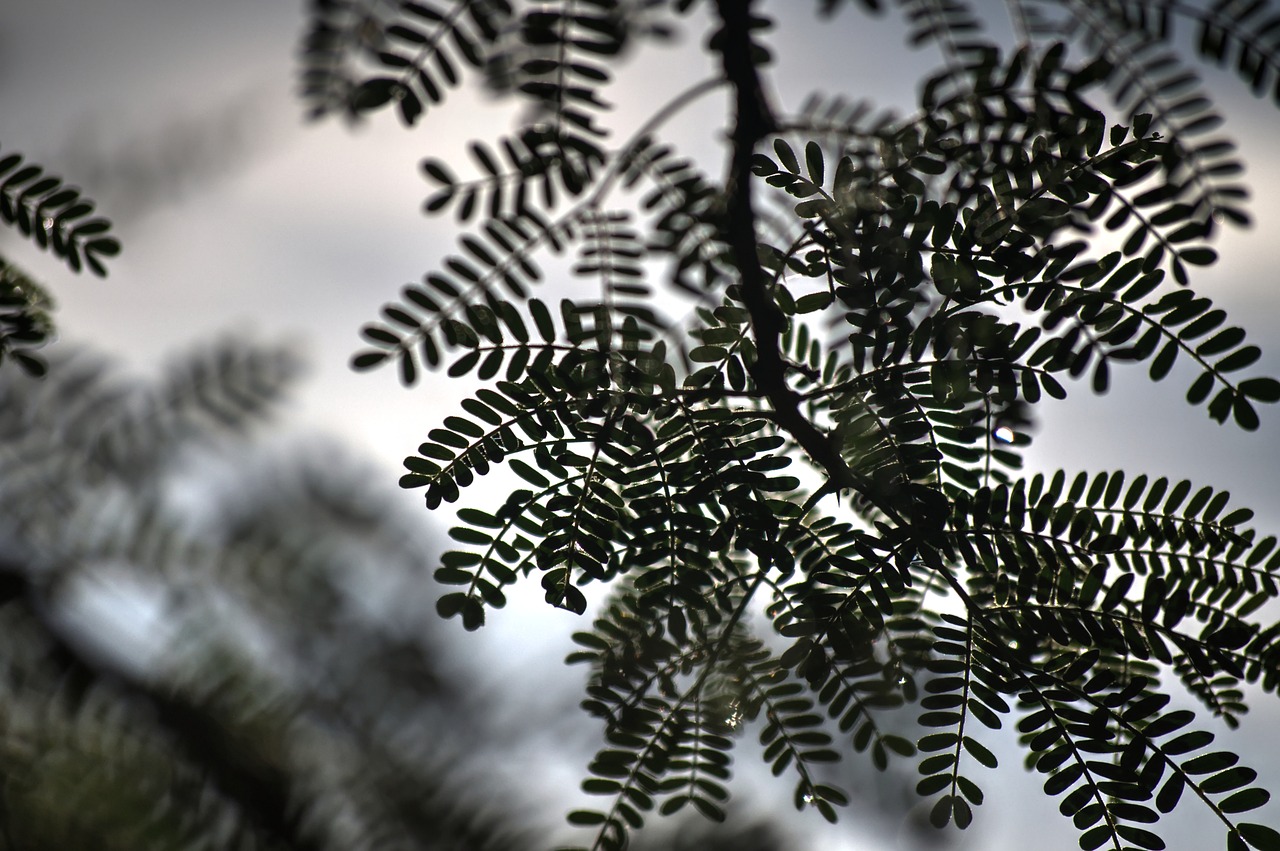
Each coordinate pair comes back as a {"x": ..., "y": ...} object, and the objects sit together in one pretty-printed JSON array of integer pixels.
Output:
[{"x": 179, "y": 117}]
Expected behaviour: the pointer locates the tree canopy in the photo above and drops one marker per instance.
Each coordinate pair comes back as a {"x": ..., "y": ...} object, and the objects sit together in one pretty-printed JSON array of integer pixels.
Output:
[
  {"x": 767, "y": 444},
  {"x": 800, "y": 493}
]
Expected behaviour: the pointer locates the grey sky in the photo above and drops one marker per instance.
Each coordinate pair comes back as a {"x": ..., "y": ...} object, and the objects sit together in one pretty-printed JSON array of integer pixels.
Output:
[{"x": 238, "y": 215}]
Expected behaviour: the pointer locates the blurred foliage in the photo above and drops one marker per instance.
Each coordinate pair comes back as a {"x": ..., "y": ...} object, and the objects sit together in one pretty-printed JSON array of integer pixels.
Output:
[
  {"x": 804, "y": 498},
  {"x": 25, "y": 325},
  {"x": 207, "y": 651}
]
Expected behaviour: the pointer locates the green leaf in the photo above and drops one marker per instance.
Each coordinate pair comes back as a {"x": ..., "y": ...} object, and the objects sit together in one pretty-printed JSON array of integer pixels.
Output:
[
  {"x": 786, "y": 156},
  {"x": 1245, "y": 415},
  {"x": 1241, "y": 802},
  {"x": 936, "y": 742},
  {"x": 585, "y": 818},
  {"x": 464, "y": 364},
  {"x": 940, "y": 815},
  {"x": 379, "y": 334},
  {"x": 529, "y": 474},
  {"x": 1262, "y": 389},
  {"x": 1239, "y": 359},
  {"x": 980, "y": 753},
  {"x": 374, "y": 93},
  {"x": 368, "y": 360},
  {"x": 814, "y": 162},
  {"x": 1199, "y": 256},
  {"x": 1260, "y": 836}
]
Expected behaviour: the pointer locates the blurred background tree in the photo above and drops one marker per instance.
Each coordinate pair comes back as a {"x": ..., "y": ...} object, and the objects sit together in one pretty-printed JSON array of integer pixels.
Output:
[{"x": 207, "y": 645}]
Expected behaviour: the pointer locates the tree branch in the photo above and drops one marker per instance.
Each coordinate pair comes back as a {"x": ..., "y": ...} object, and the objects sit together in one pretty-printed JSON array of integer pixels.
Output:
[
  {"x": 918, "y": 511},
  {"x": 753, "y": 122}
]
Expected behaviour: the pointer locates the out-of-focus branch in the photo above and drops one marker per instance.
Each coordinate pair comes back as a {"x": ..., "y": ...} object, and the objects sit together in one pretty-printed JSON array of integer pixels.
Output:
[{"x": 260, "y": 791}]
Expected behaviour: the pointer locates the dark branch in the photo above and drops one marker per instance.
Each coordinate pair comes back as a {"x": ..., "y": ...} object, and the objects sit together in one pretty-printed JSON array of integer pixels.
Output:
[
  {"x": 918, "y": 511},
  {"x": 753, "y": 122}
]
